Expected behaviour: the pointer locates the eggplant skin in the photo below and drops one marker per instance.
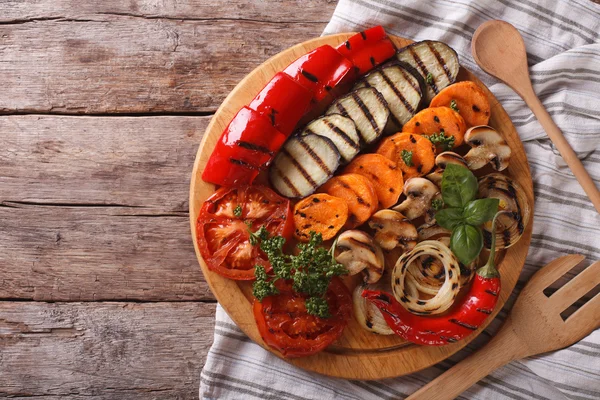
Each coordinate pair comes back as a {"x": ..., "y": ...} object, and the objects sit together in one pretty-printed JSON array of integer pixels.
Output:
[
  {"x": 435, "y": 58},
  {"x": 303, "y": 164}
]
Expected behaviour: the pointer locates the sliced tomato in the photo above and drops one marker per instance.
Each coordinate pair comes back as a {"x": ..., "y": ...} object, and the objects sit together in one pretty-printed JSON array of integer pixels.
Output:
[
  {"x": 285, "y": 325},
  {"x": 223, "y": 223}
]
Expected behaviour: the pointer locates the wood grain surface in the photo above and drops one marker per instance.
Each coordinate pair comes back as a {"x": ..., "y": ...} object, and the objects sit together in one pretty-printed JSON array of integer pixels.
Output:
[{"x": 358, "y": 354}]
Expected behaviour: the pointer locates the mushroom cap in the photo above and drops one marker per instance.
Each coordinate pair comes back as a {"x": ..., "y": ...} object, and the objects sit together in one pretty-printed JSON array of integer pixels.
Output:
[
  {"x": 392, "y": 230},
  {"x": 488, "y": 146},
  {"x": 359, "y": 252},
  {"x": 419, "y": 193},
  {"x": 441, "y": 161}
]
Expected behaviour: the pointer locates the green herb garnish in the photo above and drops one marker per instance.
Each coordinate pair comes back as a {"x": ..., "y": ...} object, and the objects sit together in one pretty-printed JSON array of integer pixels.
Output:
[
  {"x": 437, "y": 204},
  {"x": 441, "y": 140},
  {"x": 429, "y": 78},
  {"x": 310, "y": 270},
  {"x": 407, "y": 157},
  {"x": 237, "y": 211},
  {"x": 464, "y": 214},
  {"x": 454, "y": 106}
]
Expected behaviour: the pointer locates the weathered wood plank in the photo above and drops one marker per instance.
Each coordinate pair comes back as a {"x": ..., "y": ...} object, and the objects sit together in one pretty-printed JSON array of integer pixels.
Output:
[
  {"x": 54, "y": 253},
  {"x": 109, "y": 63},
  {"x": 132, "y": 161},
  {"x": 272, "y": 10},
  {"x": 104, "y": 350}
]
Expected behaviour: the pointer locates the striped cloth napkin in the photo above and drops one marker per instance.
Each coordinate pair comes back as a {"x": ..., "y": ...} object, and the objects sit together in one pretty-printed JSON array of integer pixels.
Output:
[{"x": 562, "y": 39}]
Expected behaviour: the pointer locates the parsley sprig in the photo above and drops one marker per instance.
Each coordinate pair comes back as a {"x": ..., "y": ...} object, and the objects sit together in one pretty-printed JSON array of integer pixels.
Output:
[
  {"x": 310, "y": 270},
  {"x": 440, "y": 139}
]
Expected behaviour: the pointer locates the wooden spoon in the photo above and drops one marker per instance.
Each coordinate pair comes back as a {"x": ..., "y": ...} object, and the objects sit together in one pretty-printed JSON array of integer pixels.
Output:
[
  {"x": 499, "y": 50},
  {"x": 534, "y": 326}
]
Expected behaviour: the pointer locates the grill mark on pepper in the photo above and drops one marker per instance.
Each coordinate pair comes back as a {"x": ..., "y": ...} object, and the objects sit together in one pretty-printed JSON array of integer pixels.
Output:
[
  {"x": 495, "y": 294},
  {"x": 309, "y": 76},
  {"x": 463, "y": 324},
  {"x": 242, "y": 163},
  {"x": 347, "y": 44},
  {"x": 372, "y": 59},
  {"x": 484, "y": 310},
  {"x": 299, "y": 167},
  {"x": 448, "y": 339},
  {"x": 364, "y": 35},
  {"x": 315, "y": 157},
  {"x": 254, "y": 147}
]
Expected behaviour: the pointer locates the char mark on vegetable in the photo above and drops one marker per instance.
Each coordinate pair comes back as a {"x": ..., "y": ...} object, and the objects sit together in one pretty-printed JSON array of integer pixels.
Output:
[
  {"x": 484, "y": 310},
  {"x": 488, "y": 291},
  {"x": 315, "y": 157},
  {"x": 299, "y": 167},
  {"x": 254, "y": 147},
  {"x": 343, "y": 135},
  {"x": 367, "y": 113},
  {"x": 309, "y": 76},
  {"x": 423, "y": 68},
  {"x": 398, "y": 93},
  {"x": 242, "y": 163},
  {"x": 440, "y": 61},
  {"x": 449, "y": 339},
  {"x": 463, "y": 324}
]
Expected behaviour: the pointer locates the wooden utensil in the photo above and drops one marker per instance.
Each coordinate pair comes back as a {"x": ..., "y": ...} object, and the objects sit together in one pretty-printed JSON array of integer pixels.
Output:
[
  {"x": 499, "y": 50},
  {"x": 534, "y": 326},
  {"x": 358, "y": 354}
]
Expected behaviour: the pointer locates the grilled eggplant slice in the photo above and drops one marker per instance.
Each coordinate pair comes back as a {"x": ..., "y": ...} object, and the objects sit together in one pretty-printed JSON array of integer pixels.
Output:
[
  {"x": 399, "y": 88},
  {"x": 367, "y": 108},
  {"x": 342, "y": 132},
  {"x": 303, "y": 164},
  {"x": 435, "y": 61}
]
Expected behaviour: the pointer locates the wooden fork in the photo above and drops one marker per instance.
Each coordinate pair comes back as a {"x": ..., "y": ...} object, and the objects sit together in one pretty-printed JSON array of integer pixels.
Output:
[{"x": 534, "y": 326}]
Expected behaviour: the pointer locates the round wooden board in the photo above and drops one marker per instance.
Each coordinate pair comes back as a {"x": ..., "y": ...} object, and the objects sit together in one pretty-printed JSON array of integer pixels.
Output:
[{"x": 358, "y": 354}]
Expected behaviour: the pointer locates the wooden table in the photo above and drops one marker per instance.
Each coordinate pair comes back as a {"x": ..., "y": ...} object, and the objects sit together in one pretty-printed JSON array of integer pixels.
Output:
[{"x": 103, "y": 105}]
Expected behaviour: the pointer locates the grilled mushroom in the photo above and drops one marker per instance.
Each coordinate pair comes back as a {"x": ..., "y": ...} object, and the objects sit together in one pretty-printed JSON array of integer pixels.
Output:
[
  {"x": 393, "y": 230},
  {"x": 419, "y": 193},
  {"x": 487, "y": 147},
  {"x": 357, "y": 251},
  {"x": 443, "y": 159}
]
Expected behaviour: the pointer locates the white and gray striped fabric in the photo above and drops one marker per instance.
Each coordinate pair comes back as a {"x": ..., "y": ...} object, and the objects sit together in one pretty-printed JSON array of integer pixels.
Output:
[{"x": 563, "y": 43}]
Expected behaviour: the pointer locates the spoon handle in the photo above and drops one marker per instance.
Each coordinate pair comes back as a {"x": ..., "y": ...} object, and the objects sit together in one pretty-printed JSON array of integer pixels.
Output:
[
  {"x": 504, "y": 347},
  {"x": 564, "y": 148}
]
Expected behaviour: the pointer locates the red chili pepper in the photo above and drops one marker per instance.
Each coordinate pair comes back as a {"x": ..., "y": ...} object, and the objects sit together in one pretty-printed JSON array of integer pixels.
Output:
[
  {"x": 283, "y": 100},
  {"x": 320, "y": 71},
  {"x": 368, "y": 49},
  {"x": 247, "y": 145},
  {"x": 466, "y": 317}
]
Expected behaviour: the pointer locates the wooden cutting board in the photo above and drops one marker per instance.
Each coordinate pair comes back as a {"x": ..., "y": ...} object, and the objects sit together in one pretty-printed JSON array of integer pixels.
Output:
[{"x": 358, "y": 354}]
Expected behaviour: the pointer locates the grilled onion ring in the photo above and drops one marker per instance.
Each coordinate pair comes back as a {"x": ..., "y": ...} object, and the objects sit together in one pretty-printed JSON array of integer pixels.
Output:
[
  {"x": 366, "y": 313},
  {"x": 408, "y": 279},
  {"x": 510, "y": 227}
]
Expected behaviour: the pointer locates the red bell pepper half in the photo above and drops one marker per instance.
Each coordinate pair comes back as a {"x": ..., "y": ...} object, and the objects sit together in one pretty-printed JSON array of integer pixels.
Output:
[
  {"x": 283, "y": 100},
  {"x": 247, "y": 145},
  {"x": 320, "y": 71},
  {"x": 368, "y": 49}
]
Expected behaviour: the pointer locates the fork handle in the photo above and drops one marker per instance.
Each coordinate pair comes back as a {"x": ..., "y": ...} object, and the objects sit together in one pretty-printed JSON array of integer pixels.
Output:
[{"x": 504, "y": 347}]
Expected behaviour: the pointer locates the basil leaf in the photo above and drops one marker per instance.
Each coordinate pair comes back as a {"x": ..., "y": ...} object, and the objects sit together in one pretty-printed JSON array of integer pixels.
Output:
[
  {"x": 449, "y": 218},
  {"x": 466, "y": 243},
  {"x": 459, "y": 185},
  {"x": 477, "y": 212}
]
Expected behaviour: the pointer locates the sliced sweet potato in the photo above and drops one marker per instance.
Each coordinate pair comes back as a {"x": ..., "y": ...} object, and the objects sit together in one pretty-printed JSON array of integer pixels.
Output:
[
  {"x": 383, "y": 173},
  {"x": 433, "y": 120},
  {"x": 359, "y": 194},
  {"x": 469, "y": 99},
  {"x": 320, "y": 213},
  {"x": 416, "y": 149}
]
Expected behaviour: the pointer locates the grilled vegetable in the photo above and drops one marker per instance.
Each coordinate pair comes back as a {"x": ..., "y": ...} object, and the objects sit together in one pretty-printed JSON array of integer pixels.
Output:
[
  {"x": 441, "y": 161},
  {"x": 467, "y": 316},
  {"x": 410, "y": 277},
  {"x": 444, "y": 127},
  {"x": 468, "y": 99},
  {"x": 319, "y": 213},
  {"x": 393, "y": 230},
  {"x": 245, "y": 147},
  {"x": 419, "y": 194},
  {"x": 367, "y": 108},
  {"x": 368, "y": 49},
  {"x": 435, "y": 61},
  {"x": 399, "y": 88},
  {"x": 510, "y": 226},
  {"x": 413, "y": 153},
  {"x": 359, "y": 194},
  {"x": 488, "y": 147},
  {"x": 366, "y": 313},
  {"x": 283, "y": 100},
  {"x": 340, "y": 130},
  {"x": 320, "y": 71},
  {"x": 303, "y": 164},
  {"x": 358, "y": 252},
  {"x": 383, "y": 173}
]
